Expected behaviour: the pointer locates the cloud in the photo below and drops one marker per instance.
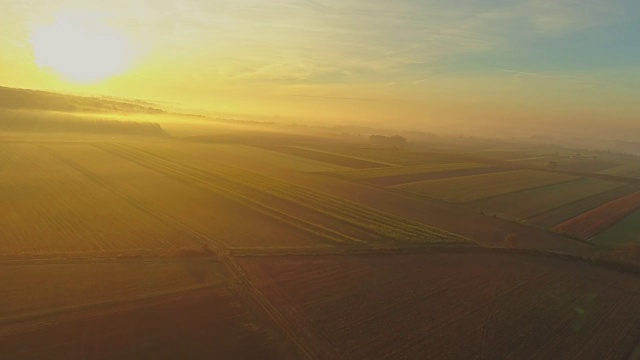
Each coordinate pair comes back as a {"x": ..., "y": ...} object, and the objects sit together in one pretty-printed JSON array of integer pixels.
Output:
[
  {"x": 571, "y": 15},
  {"x": 335, "y": 40},
  {"x": 547, "y": 76}
]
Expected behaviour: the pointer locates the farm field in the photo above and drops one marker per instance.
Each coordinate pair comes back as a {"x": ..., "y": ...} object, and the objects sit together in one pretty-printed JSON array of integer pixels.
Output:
[
  {"x": 207, "y": 323},
  {"x": 233, "y": 282},
  {"x": 322, "y": 156},
  {"x": 625, "y": 231},
  {"x": 585, "y": 165},
  {"x": 64, "y": 285},
  {"x": 510, "y": 155},
  {"x": 398, "y": 157},
  {"x": 276, "y": 159},
  {"x": 565, "y": 212},
  {"x": 47, "y": 207},
  {"x": 406, "y": 170},
  {"x": 340, "y": 220},
  {"x": 622, "y": 170},
  {"x": 401, "y": 175},
  {"x": 476, "y": 187},
  {"x": 597, "y": 220},
  {"x": 413, "y": 178},
  {"x": 528, "y": 203},
  {"x": 421, "y": 305},
  {"x": 207, "y": 216},
  {"x": 485, "y": 230}
]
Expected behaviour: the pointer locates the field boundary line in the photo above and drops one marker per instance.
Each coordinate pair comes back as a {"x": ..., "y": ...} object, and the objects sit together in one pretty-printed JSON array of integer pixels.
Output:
[
  {"x": 348, "y": 156},
  {"x": 288, "y": 219},
  {"x": 583, "y": 199},
  {"x": 30, "y": 316},
  {"x": 354, "y": 214},
  {"x": 310, "y": 343},
  {"x": 363, "y": 212},
  {"x": 492, "y": 196},
  {"x": 104, "y": 260}
]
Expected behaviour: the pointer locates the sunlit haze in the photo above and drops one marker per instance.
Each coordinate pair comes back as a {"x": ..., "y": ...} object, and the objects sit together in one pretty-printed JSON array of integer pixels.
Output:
[
  {"x": 319, "y": 179},
  {"x": 414, "y": 64},
  {"x": 80, "y": 48}
]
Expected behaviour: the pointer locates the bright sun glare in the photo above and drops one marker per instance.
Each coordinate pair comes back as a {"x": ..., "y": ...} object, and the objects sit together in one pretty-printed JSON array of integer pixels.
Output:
[{"x": 81, "y": 47}]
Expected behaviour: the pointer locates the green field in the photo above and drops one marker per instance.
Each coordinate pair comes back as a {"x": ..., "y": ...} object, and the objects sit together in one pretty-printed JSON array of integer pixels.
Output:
[
  {"x": 407, "y": 170},
  {"x": 570, "y": 210},
  {"x": 527, "y": 203},
  {"x": 622, "y": 170},
  {"x": 476, "y": 187},
  {"x": 624, "y": 231}
]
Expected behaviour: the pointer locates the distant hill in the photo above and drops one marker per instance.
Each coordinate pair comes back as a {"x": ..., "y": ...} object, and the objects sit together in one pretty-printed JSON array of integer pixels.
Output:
[
  {"x": 22, "y": 99},
  {"x": 23, "y": 110},
  {"x": 69, "y": 124}
]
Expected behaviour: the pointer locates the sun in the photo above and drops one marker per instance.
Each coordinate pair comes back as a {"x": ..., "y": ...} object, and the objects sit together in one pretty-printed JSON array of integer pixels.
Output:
[{"x": 81, "y": 47}]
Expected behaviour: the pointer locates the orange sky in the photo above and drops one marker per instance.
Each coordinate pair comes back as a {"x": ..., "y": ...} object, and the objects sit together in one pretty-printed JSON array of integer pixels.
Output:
[{"x": 412, "y": 63}]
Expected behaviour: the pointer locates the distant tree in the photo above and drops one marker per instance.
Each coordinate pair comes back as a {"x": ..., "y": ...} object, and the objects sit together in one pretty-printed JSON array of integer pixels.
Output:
[{"x": 395, "y": 142}]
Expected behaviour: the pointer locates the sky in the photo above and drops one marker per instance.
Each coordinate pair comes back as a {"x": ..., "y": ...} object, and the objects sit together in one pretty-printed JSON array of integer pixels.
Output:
[{"x": 370, "y": 62}]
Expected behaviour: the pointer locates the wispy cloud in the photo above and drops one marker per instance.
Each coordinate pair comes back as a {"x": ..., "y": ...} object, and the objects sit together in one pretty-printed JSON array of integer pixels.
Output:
[
  {"x": 564, "y": 15},
  {"x": 337, "y": 40},
  {"x": 546, "y": 76}
]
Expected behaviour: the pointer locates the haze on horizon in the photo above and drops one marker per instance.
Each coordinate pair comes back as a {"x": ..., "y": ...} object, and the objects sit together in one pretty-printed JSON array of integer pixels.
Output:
[{"x": 414, "y": 64}]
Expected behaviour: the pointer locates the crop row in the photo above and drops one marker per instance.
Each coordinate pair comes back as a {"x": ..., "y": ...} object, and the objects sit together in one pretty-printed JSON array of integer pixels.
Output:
[
  {"x": 597, "y": 220},
  {"x": 273, "y": 196},
  {"x": 621, "y": 170},
  {"x": 50, "y": 208},
  {"x": 225, "y": 188},
  {"x": 570, "y": 210},
  {"x": 420, "y": 306},
  {"x": 528, "y": 203},
  {"x": 327, "y": 157},
  {"x": 206, "y": 216},
  {"x": 401, "y": 157},
  {"x": 407, "y": 170},
  {"x": 350, "y": 212},
  {"x": 475, "y": 187}
]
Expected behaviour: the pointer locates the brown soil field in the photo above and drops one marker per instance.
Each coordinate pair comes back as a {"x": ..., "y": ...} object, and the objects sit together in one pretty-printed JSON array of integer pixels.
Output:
[
  {"x": 38, "y": 288},
  {"x": 403, "y": 179},
  {"x": 453, "y": 305},
  {"x": 199, "y": 324},
  {"x": 563, "y": 213},
  {"x": 206, "y": 215},
  {"x": 597, "y": 220},
  {"x": 326, "y": 157}
]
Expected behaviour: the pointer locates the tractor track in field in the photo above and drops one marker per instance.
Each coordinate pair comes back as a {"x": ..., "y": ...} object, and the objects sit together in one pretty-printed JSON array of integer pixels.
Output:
[
  {"x": 105, "y": 306},
  {"x": 307, "y": 340},
  {"x": 196, "y": 235},
  {"x": 374, "y": 225},
  {"x": 178, "y": 171}
]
